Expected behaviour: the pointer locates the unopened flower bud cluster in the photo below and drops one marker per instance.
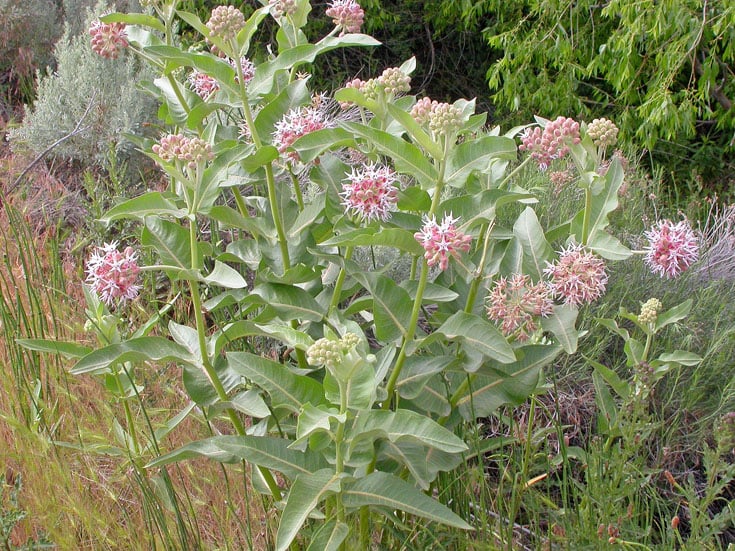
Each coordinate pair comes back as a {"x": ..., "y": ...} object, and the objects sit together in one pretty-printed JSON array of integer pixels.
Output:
[
  {"x": 328, "y": 352},
  {"x": 603, "y": 132},
  {"x": 225, "y": 22},
  {"x": 108, "y": 39},
  {"x": 177, "y": 147},
  {"x": 279, "y": 8},
  {"x": 394, "y": 81},
  {"x": 649, "y": 311},
  {"x": 552, "y": 142}
]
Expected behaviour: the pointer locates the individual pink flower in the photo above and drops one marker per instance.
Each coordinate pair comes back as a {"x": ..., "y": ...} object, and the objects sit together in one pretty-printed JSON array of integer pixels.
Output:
[
  {"x": 178, "y": 147},
  {"x": 203, "y": 84},
  {"x": 370, "y": 192},
  {"x": 552, "y": 142},
  {"x": 108, "y": 39},
  {"x": 515, "y": 302},
  {"x": 440, "y": 241},
  {"x": 113, "y": 274},
  {"x": 347, "y": 15},
  {"x": 672, "y": 248},
  {"x": 297, "y": 123},
  {"x": 578, "y": 277}
]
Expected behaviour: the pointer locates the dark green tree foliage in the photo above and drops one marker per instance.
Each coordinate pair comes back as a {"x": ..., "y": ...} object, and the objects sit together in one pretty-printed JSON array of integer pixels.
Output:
[{"x": 663, "y": 70}]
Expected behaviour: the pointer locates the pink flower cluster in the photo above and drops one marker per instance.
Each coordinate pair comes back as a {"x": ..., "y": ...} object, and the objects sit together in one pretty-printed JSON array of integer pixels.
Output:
[
  {"x": 297, "y": 123},
  {"x": 108, "y": 39},
  {"x": 370, "y": 193},
  {"x": 203, "y": 84},
  {"x": 578, "y": 277},
  {"x": 552, "y": 142},
  {"x": 225, "y": 22},
  {"x": 516, "y": 301},
  {"x": 441, "y": 118},
  {"x": 421, "y": 111},
  {"x": 113, "y": 274},
  {"x": 178, "y": 147},
  {"x": 440, "y": 241},
  {"x": 247, "y": 66},
  {"x": 279, "y": 8},
  {"x": 672, "y": 248},
  {"x": 347, "y": 15}
]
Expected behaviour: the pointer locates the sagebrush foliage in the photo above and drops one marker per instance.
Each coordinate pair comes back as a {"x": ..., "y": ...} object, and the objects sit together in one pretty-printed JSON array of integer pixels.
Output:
[{"x": 86, "y": 83}]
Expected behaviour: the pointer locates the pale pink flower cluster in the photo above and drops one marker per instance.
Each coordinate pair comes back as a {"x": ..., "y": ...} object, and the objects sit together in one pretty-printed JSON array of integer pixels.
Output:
[
  {"x": 113, "y": 274},
  {"x": 515, "y": 302},
  {"x": 440, "y": 241},
  {"x": 394, "y": 81},
  {"x": 108, "y": 39},
  {"x": 552, "y": 142},
  {"x": 357, "y": 84},
  {"x": 279, "y": 8},
  {"x": 347, "y": 15},
  {"x": 247, "y": 66},
  {"x": 422, "y": 110},
  {"x": 297, "y": 123},
  {"x": 603, "y": 132},
  {"x": 225, "y": 22},
  {"x": 578, "y": 277},
  {"x": 191, "y": 151},
  {"x": 370, "y": 192},
  {"x": 672, "y": 248},
  {"x": 203, "y": 84}
]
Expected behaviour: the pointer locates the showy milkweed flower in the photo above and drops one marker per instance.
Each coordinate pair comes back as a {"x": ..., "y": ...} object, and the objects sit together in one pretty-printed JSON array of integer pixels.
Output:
[
  {"x": 112, "y": 274},
  {"x": 515, "y": 302},
  {"x": 578, "y": 277},
  {"x": 248, "y": 69},
  {"x": 552, "y": 142},
  {"x": 440, "y": 241},
  {"x": 346, "y": 15},
  {"x": 297, "y": 123},
  {"x": 108, "y": 39},
  {"x": 671, "y": 248},
  {"x": 370, "y": 192},
  {"x": 203, "y": 84},
  {"x": 177, "y": 147}
]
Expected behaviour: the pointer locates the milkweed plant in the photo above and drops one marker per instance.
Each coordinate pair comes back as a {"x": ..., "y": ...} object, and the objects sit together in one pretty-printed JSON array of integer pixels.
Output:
[{"x": 272, "y": 188}]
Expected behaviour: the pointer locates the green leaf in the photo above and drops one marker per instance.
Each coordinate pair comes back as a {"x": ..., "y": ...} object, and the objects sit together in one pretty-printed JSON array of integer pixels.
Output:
[
  {"x": 231, "y": 218},
  {"x": 414, "y": 130},
  {"x": 313, "y": 419},
  {"x": 407, "y": 158},
  {"x": 620, "y": 386},
  {"x": 291, "y": 97},
  {"x": 475, "y": 155},
  {"x": 312, "y": 145},
  {"x": 561, "y": 323},
  {"x": 414, "y": 199},
  {"x": 306, "y": 217},
  {"x": 506, "y": 384},
  {"x": 249, "y": 402},
  {"x": 474, "y": 331},
  {"x": 673, "y": 315},
  {"x": 398, "y": 238},
  {"x": 536, "y": 250},
  {"x": 417, "y": 370},
  {"x": 286, "y": 389},
  {"x": 423, "y": 463},
  {"x": 681, "y": 357},
  {"x": 329, "y": 537},
  {"x": 288, "y": 302},
  {"x": 391, "y": 306},
  {"x": 307, "y": 491},
  {"x": 152, "y": 349},
  {"x": 265, "y": 451},
  {"x": 225, "y": 276},
  {"x": 134, "y": 19},
  {"x": 387, "y": 491},
  {"x": 153, "y": 202},
  {"x": 608, "y": 247},
  {"x": 408, "y": 425},
  {"x": 66, "y": 349},
  {"x": 170, "y": 240},
  {"x": 176, "y": 111},
  {"x": 607, "y": 418}
]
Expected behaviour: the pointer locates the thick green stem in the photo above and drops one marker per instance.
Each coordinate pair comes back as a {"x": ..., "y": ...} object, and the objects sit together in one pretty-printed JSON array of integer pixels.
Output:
[
  {"x": 339, "y": 283},
  {"x": 587, "y": 214},
  {"x": 515, "y": 171},
  {"x": 206, "y": 362},
  {"x": 296, "y": 189}
]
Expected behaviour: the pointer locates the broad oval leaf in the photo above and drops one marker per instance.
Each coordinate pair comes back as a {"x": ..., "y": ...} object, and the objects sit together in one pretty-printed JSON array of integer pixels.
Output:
[{"x": 154, "y": 349}]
